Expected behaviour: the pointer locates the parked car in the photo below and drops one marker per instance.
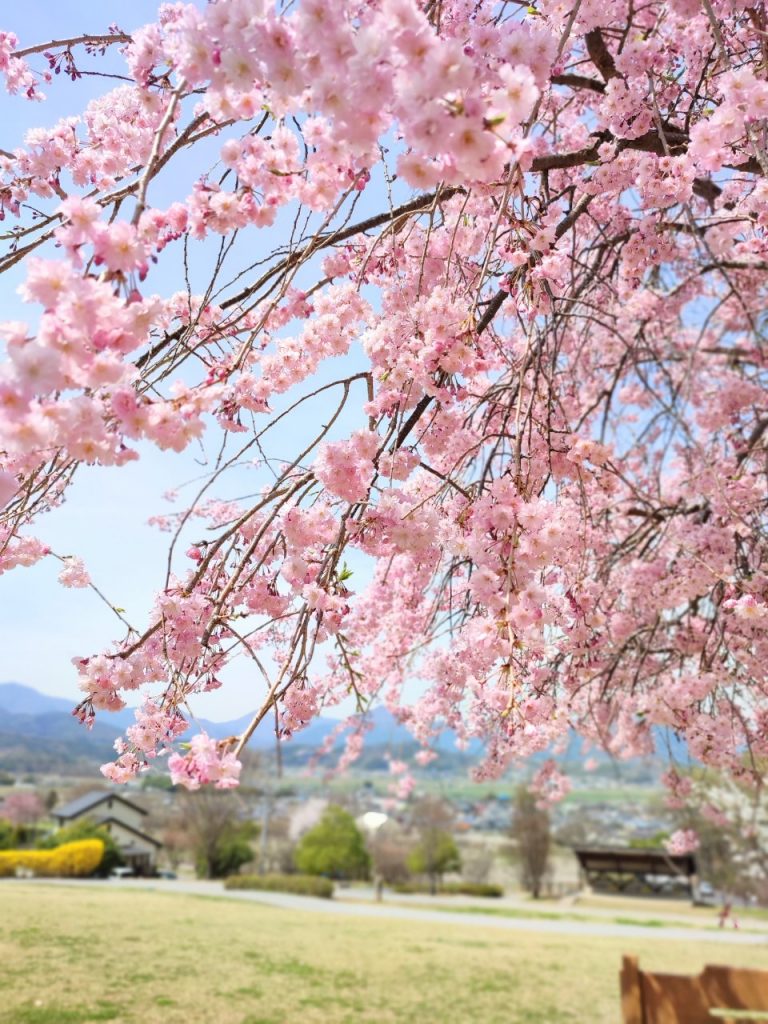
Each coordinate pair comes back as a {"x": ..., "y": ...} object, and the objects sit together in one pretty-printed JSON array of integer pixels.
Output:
[
  {"x": 705, "y": 895},
  {"x": 122, "y": 873},
  {"x": 165, "y": 873}
]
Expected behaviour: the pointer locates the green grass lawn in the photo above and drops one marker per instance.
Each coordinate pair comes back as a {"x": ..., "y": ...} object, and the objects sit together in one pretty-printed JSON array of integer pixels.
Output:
[
  {"x": 702, "y": 916},
  {"x": 637, "y": 914},
  {"x": 547, "y": 915},
  {"x": 76, "y": 956}
]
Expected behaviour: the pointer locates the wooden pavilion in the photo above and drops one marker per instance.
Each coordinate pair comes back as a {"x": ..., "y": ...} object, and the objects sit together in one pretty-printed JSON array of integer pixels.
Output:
[{"x": 628, "y": 870}]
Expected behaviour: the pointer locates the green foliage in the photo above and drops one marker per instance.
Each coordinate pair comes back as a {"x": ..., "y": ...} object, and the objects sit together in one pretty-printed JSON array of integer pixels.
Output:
[
  {"x": 436, "y": 851},
  {"x": 8, "y": 835},
  {"x": 453, "y": 889},
  {"x": 249, "y": 829},
  {"x": 86, "y": 829},
  {"x": 334, "y": 847},
  {"x": 435, "y": 854},
  {"x": 215, "y": 832},
  {"x": 157, "y": 781},
  {"x": 655, "y": 842},
  {"x": 303, "y": 885},
  {"x": 229, "y": 855},
  {"x": 472, "y": 889}
]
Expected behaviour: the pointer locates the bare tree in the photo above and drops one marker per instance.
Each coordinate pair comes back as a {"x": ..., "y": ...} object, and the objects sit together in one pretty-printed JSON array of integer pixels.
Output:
[
  {"x": 213, "y": 820},
  {"x": 436, "y": 851},
  {"x": 177, "y": 842},
  {"x": 476, "y": 863},
  {"x": 389, "y": 852},
  {"x": 531, "y": 829},
  {"x": 276, "y": 847}
]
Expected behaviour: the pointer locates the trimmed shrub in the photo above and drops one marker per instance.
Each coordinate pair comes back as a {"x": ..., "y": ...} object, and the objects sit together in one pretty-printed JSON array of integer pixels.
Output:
[
  {"x": 474, "y": 889},
  {"x": 71, "y": 860},
  {"x": 84, "y": 828},
  {"x": 303, "y": 885},
  {"x": 453, "y": 889}
]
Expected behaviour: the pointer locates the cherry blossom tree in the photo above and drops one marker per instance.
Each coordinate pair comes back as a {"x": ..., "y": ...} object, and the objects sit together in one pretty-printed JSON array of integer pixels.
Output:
[
  {"x": 483, "y": 310},
  {"x": 22, "y": 808}
]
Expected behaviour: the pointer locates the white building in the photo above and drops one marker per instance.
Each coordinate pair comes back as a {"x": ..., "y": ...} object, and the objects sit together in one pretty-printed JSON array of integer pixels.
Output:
[{"x": 122, "y": 819}]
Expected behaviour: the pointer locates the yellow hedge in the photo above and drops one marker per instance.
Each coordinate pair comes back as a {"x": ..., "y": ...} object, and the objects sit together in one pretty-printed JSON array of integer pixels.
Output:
[{"x": 73, "y": 860}]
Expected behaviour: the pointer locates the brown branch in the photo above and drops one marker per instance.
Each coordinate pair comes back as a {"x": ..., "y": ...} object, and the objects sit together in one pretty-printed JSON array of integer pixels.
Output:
[
  {"x": 760, "y": 428},
  {"x": 55, "y": 44},
  {"x": 706, "y": 189},
  {"x": 600, "y": 55},
  {"x": 416, "y": 415},
  {"x": 416, "y": 205},
  {"x": 570, "y": 219},
  {"x": 578, "y": 82},
  {"x": 558, "y": 161},
  {"x": 650, "y": 142}
]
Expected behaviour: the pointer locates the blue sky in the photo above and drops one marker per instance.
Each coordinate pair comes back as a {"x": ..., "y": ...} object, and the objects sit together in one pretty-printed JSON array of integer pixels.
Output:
[{"x": 104, "y": 519}]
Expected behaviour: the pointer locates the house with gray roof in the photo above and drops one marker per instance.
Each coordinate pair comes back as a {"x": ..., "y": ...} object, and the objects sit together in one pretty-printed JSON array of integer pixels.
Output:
[{"x": 122, "y": 818}]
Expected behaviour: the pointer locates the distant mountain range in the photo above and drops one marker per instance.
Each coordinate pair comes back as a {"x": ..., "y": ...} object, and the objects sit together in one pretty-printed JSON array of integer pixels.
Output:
[
  {"x": 18, "y": 699},
  {"x": 38, "y": 734}
]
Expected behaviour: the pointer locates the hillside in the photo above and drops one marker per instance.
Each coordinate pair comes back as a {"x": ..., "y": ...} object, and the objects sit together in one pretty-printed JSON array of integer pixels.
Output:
[{"x": 39, "y": 734}]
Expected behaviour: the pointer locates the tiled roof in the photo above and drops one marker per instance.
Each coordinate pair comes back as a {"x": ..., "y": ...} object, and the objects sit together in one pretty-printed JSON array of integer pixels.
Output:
[
  {"x": 128, "y": 828},
  {"x": 83, "y": 804}
]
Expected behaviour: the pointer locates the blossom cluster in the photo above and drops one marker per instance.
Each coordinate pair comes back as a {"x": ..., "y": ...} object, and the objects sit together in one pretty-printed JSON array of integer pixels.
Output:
[{"x": 507, "y": 353}]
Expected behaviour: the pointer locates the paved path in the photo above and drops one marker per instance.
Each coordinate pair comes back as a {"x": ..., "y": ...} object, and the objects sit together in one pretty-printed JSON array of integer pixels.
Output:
[
  {"x": 384, "y": 911},
  {"x": 567, "y": 907}
]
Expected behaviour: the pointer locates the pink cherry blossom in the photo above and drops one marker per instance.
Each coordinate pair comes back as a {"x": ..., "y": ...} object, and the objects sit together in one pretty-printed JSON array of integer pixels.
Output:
[
  {"x": 205, "y": 763},
  {"x": 8, "y": 487},
  {"x": 462, "y": 318},
  {"x": 74, "y": 573},
  {"x": 681, "y": 842}
]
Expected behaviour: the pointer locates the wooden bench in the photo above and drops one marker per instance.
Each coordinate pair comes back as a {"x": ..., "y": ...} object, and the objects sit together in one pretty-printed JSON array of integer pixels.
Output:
[{"x": 725, "y": 994}]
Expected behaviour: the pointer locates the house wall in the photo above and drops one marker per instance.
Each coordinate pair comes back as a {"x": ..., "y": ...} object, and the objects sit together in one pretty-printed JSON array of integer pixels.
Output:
[
  {"x": 112, "y": 808},
  {"x": 125, "y": 838}
]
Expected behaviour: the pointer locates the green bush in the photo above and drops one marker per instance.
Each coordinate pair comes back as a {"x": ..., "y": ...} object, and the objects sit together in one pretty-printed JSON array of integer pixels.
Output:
[
  {"x": 474, "y": 889},
  {"x": 8, "y": 835},
  {"x": 229, "y": 854},
  {"x": 303, "y": 885},
  {"x": 334, "y": 847},
  {"x": 435, "y": 855},
  {"x": 453, "y": 889}
]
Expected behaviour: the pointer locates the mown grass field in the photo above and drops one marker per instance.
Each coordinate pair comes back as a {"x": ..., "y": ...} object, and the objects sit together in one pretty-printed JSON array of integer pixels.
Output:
[
  {"x": 535, "y": 914},
  {"x": 700, "y": 916},
  {"x": 77, "y": 956}
]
